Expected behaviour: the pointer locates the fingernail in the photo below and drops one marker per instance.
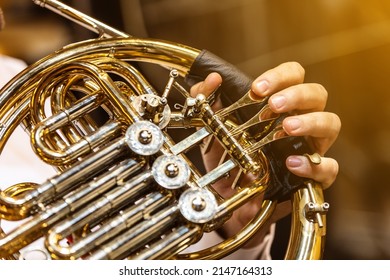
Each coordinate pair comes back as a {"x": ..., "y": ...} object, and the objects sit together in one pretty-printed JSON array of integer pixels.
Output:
[
  {"x": 293, "y": 124},
  {"x": 278, "y": 101},
  {"x": 294, "y": 162},
  {"x": 262, "y": 87}
]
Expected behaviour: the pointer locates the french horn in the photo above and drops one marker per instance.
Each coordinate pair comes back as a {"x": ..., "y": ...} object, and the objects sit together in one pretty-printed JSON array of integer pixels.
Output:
[{"x": 126, "y": 187}]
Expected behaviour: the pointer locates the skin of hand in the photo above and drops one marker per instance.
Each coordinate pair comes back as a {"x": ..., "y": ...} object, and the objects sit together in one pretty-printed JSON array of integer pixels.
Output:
[{"x": 305, "y": 103}]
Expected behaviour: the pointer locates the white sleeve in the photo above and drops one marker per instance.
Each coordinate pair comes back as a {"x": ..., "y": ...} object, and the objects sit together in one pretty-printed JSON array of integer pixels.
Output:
[
  {"x": 261, "y": 251},
  {"x": 18, "y": 162},
  {"x": 9, "y": 67}
]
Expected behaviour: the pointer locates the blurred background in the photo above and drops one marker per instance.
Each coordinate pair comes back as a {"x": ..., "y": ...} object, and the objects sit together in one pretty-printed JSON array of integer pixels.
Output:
[{"x": 343, "y": 44}]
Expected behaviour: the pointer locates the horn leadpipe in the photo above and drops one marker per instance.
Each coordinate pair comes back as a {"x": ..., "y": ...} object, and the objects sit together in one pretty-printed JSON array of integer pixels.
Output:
[{"x": 102, "y": 29}]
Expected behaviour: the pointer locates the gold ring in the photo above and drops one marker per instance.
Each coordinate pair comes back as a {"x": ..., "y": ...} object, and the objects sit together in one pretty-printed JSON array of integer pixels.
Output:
[{"x": 314, "y": 158}]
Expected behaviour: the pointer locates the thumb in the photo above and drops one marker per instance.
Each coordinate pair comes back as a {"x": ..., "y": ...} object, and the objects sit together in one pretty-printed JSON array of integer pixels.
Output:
[{"x": 208, "y": 86}]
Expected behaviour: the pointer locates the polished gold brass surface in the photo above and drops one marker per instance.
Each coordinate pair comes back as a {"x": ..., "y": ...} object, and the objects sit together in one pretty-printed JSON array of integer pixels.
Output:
[{"x": 112, "y": 198}]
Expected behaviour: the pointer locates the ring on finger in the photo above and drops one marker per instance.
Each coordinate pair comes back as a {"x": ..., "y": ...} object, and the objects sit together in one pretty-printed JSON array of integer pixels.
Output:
[{"x": 314, "y": 158}]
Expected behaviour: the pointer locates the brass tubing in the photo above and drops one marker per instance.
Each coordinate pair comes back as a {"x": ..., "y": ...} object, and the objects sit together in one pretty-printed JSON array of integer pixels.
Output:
[
  {"x": 135, "y": 49},
  {"x": 109, "y": 229},
  {"x": 31, "y": 230},
  {"x": 96, "y": 211},
  {"x": 12, "y": 256},
  {"x": 84, "y": 146},
  {"x": 128, "y": 72},
  {"x": 235, "y": 242},
  {"x": 170, "y": 245},
  {"x": 137, "y": 236},
  {"x": 40, "y": 223},
  {"x": 114, "y": 95},
  {"x": 106, "y": 84},
  {"x": 62, "y": 96},
  {"x": 19, "y": 208},
  {"x": 237, "y": 200},
  {"x": 78, "y": 109},
  {"x": 230, "y": 143},
  {"x": 92, "y": 190},
  {"x": 306, "y": 237},
  {"x": 51, "y": 153},
  {"x": 179, "y": 121},
  {"x": 11, "y": 121}
]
